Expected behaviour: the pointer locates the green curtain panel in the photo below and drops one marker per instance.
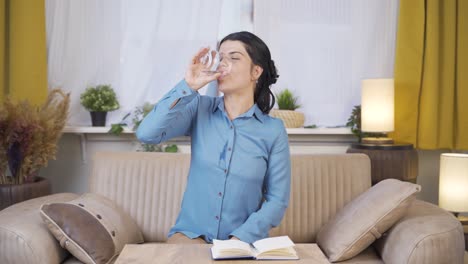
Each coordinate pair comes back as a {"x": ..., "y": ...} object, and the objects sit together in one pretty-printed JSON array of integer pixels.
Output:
[
  {"x": 431, "y": 74},
  {"x": 23, "y": 53}
]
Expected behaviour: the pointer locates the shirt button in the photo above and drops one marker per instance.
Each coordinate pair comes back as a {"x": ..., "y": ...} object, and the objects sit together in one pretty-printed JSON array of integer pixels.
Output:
[
  {"x": 220, "y": 194},
  {"x": 217, "y": 217},
  {"x": 184, "y": 92},
  {"x": 225, "y": 171},
  {"x": 229, "y": 149},
  {"x": 232, "y": 127}
]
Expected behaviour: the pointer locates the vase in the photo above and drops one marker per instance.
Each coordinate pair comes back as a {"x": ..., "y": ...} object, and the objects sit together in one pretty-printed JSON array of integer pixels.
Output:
[
  {"x": 290, "y": 118},
  {"x": 98, "y": 118},
  {"x": 15, "y": 193}
]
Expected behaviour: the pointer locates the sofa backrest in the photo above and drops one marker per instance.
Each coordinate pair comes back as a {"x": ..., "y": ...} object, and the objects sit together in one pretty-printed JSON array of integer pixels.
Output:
[
  {"x": 321, "y": 184},
  {"x": 149, "y": 186}
]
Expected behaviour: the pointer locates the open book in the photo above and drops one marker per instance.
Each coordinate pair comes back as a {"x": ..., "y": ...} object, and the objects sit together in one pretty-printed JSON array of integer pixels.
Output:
[{"x": 269, "y": 248}]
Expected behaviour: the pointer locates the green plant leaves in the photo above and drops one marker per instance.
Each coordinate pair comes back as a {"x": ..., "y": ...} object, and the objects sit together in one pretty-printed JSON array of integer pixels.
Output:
[
  {"x": 171, "y": 148},
  {"x": 138, "y": 115},
  {"x": 101, "y": 98},
  {"x": 354, "y": 122},
  {"x": 286, "y": 100},
  {"x": 117, "y": 129}
]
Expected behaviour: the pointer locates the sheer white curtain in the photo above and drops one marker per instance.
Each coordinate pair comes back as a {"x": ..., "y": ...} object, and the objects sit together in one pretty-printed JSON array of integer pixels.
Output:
[
  {"x": 236, "y": 15},
  {"x": 83, "y": 43},
  {"x": 323, "y": 48},
  {"x": 141, "y": 48}
]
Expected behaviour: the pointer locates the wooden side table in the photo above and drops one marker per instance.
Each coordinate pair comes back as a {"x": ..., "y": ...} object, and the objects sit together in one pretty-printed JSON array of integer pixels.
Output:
[
  {"x": 464, "y": 222},
  {"x": 465, "y": 230},
  {"x": 398, "y": 160}
]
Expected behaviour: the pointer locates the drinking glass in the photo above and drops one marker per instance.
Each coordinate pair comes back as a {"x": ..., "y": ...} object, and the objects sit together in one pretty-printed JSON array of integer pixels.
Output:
[{"x": 218, "y": 65}]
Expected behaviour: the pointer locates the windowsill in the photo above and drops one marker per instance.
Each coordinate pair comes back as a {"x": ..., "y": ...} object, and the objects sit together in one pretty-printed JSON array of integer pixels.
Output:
[
  {"x": 92, "y": 130},
  {"x": 301, "y": 137},
  {"x": 291, "y": 131}
]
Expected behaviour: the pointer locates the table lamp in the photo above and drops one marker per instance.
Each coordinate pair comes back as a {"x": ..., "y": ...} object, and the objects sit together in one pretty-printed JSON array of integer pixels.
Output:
[
  {"x": 377, "y": 109},
  {"x": 453, "y": 182}
]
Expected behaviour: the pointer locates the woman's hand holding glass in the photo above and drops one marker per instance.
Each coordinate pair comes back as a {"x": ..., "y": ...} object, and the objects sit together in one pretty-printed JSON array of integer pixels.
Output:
[{"x": 205, "y": 67}]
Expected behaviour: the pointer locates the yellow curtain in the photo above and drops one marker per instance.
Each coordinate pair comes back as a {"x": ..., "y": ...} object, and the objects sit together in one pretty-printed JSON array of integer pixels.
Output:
[
  {"x": 23, "y": 58},
  {"x": 431, "y": 74}
]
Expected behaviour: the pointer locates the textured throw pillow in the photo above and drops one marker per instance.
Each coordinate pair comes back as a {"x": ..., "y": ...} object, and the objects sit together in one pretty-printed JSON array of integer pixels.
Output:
[
  {"x": 92, "y": 228},
  {"x": 365, "y": 219}
]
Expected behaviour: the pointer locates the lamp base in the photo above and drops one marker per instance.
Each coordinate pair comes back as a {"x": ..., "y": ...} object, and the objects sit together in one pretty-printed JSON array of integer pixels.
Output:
[{"x": 377, "y": 140}]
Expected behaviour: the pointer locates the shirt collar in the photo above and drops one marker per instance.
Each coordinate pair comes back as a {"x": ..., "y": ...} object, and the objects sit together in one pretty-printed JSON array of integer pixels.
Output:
[{"x": 253, "y": 111}]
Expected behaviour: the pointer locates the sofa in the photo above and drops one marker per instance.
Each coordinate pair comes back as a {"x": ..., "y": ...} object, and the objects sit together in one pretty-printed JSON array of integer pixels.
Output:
[{"x": 149, "y": 187}]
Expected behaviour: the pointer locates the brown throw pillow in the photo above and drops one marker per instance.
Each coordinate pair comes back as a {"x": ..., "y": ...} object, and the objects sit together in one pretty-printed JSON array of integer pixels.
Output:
[
  {"x": 92, "y": 228},
  {"x": 365, "y": 219}
]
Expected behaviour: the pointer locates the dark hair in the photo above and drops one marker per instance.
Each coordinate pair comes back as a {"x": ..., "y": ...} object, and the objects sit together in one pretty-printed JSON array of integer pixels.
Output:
[{"x": 260, "y": 55}]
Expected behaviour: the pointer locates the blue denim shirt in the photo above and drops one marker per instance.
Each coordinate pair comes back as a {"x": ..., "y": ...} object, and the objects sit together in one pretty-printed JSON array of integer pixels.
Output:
[{"x": 240, "y": 170}]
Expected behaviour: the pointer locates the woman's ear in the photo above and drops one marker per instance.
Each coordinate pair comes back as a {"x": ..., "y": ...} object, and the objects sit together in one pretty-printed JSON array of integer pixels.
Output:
[{"x": 256, "y": 72}]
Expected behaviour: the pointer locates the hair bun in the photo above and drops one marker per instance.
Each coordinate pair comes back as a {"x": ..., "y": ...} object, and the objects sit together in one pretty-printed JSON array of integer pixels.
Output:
[{"x": 272, "y": 73}]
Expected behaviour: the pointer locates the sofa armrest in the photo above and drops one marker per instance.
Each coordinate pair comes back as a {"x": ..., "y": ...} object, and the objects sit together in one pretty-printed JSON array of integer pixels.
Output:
[
  {"x": 427, "y": 234},
  {"x": 24, "y": 238}
]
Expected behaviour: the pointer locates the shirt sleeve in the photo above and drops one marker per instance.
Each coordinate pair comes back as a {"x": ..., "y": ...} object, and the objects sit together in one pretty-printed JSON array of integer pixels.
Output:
[
  {"x": 277, "y": 189},
  {"x": 171, "y": 117}
]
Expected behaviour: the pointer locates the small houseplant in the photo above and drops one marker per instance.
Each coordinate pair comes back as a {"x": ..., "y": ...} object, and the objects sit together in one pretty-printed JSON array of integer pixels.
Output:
[
  {"x": 98, "y": 101},
  {"x": 287, "y": 104},
  {"x": 28, "y": 140},
  {"x": 138, "y": 115}
]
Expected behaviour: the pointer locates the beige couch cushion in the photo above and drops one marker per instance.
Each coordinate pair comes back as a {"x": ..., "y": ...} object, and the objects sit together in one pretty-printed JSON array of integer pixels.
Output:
[
  {"x": 320, "y": 186},
  {"x": 24, "y": 238},
  {"x": 73, "y": 260},
  {"x": 368, "y": 256},
  {"x": 149, "y": 187},
  {"x": 426, "y": 234},
  {"x": 365, "y": 219},
  {"x": 92, "y": 228},
  {"x": 146, "y": 185}
]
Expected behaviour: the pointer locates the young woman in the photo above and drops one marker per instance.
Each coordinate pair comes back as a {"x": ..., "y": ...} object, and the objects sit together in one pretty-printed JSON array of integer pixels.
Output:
[{"x": 239, "y": 180}]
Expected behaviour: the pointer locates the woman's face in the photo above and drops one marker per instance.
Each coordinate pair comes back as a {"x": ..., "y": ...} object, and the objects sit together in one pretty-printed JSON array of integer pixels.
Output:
[{"x": 243, "y": 73}]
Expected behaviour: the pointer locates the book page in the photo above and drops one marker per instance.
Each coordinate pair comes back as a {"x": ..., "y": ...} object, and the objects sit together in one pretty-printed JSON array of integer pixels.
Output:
[
  {"x": 230, "y": 248},
  {"x": 284, "y": 253},
  {"x": 273, "y": 243}
]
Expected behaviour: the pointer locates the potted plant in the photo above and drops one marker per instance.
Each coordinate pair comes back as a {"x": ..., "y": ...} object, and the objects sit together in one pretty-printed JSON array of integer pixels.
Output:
[
  {"x": 28, "y": 139},
  {"x": 98, "y": 101},
  {"x": 287, "y": 104},
  {"x": 138, "y": 115}
]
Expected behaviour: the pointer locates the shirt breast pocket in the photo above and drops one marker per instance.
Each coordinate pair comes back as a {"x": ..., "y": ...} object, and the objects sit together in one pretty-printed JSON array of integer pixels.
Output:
[{"x": 251, "y": 168}]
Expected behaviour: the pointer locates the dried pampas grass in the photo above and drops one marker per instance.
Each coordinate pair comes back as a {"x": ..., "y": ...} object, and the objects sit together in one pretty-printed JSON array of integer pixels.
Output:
[{"x": 29, "y": 136}]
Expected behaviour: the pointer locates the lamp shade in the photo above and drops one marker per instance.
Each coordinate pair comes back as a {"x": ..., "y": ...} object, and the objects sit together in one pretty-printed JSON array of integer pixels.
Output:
[
  {"x": 453, "y": 182},
  {"x": 377, "y": 105}
]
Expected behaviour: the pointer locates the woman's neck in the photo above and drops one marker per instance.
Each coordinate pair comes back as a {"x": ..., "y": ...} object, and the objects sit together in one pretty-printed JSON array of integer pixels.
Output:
[{"x": 237, "y": 104}]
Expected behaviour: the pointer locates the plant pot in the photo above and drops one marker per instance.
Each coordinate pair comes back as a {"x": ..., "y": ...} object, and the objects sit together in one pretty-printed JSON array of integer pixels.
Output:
[
  {"x": 15, "y": 193},
  {"x": 291, "y": 119},
  {"x": 98, "y": 118}
]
